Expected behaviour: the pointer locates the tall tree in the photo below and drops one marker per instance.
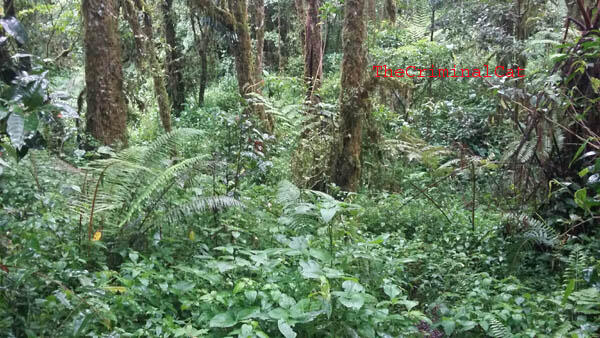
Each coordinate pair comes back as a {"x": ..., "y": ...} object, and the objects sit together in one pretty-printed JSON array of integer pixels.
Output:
[
  {"x": 106, "y": 117},
  {"x": 235, "y": 18},
  {"x": 390, "y": 10},
  {"x": 148, "y": 57},
  {"x": 354, "y": 99},
  {"x": 176, "y": 86},
  {"x": 313, "y": 50},
  {"x": 258, "y": 15},
  {"x": 201, "y": 41},
  {"x": 301, "y": 14}
]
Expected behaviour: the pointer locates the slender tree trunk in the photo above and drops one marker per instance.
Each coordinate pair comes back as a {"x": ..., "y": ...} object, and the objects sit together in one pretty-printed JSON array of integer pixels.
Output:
[
  {"x": 280, "y": 40},
  {"x": 9, "y": 8},
  {"x": 432, "y": 23},
  {"x": 313, "y": 53},
  {"x": 301, "y": 14},
  {"x": 176, "y": 86},
  {"x": 106, "y": 117},
  {"x": 148, "y": 58},
  {"x": 354, "y": 100},
  {"x": 201, "y": 46}
]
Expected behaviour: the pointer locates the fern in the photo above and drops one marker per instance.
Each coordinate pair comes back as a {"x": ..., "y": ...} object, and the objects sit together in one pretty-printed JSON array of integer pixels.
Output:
[
  {"x": 498, "y": 330},
  {"x": 137, "y": 181},
  {"x": 201, "y": 204}
]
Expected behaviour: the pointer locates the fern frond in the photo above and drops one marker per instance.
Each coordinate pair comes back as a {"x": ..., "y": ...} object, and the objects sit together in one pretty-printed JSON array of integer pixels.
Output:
[
  {"x": 499, "y": 330},
  {"x": 287, "y": 192},
  {"x": 201, "y": 204},
  {"x": 161, "y": 181}
]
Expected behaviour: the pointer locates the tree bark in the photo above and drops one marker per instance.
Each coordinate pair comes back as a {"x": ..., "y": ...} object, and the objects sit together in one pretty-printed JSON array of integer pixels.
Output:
[
  {"x": 258, "y": 15},
  {"x": 106, "y": 117},
  {"x": 301, "y": 14},
  {"x": 148, "y": 57},
  {"x": 201, "y": 46},
  {"x": 390, "y": 10},
  {"x": 371, "y": 11},
  {"x": 176, "y": 86},
  {"x": 313, "y": 53},
  {"x": 354, "y": 99},
  {"x": 236, "y": 19}
]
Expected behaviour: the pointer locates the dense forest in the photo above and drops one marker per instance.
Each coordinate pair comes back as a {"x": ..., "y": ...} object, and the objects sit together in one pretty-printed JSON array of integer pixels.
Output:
[{"x": 300, "y": 168}]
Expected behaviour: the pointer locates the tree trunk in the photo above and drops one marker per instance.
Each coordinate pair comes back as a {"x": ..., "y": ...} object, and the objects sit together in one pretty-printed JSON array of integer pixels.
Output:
[
  {"x": 243, "y": 60},
  {"x": 9, "y": 8},
  {"x": 280, "y": 40},
  {"x": 313, "y": 53},
  {"x": 106, "y": 117},
  {"x": 390, "y": 10},
  {"x": 236, "y": 19},
  {"x": 301, "y": 14},
  {"x": 371, "y": 11},
  {"x": 354, "y": 100},
  {"x": 176, "y": 87},
  {"x": 258, "y": 14},
  {"x": 148, "y": 57},
  {"x": 201, "y": 46}
]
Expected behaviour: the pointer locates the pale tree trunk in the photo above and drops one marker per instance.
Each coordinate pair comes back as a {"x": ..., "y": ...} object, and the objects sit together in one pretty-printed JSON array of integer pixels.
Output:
[
  {"x": 106, "y": 117},
  {"x": 313, "y": 53},
  {"x": 176, "y": 86},
  {"x": 148, "y": 58},
  {"x": 354, "y": 100}
]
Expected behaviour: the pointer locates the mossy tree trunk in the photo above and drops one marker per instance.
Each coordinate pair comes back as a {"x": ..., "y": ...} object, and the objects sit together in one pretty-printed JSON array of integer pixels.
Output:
[
  {"x": 258, "y": 15},
  {"x": 354, "y": 100},
  {"x": 176, "y": 86},
  {"x": 313, "y": 50},
  {"x": 235, "y": 18},
  {"x": 106, "y": 117}
]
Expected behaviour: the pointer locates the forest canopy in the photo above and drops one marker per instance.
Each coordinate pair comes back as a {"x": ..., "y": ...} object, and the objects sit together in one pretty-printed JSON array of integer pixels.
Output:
[{"x": 305, "y": 168}]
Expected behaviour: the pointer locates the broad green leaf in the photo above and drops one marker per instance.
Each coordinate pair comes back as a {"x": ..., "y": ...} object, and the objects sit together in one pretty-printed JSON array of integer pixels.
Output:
[
  {"x": 31, "y": 122},
  {"x": 449, "y": 326},
  {"x": 224, "y": 319},
  {"x": 14, "y": 28},
  {"x": 350, "y": 300},
  {"x": 183, "y": 286},
  {"x": 15, "y": 127},
  {"x": 286, "y": 329},
  {"x": 352, "y": 286},
  {"x": 391, "y": 290},
  {"x": 328, "y": 214},
  {"x": 409, "y": 303},
  {"x": 310, "y": 269},
  {"x": 247, "y": 313}
]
